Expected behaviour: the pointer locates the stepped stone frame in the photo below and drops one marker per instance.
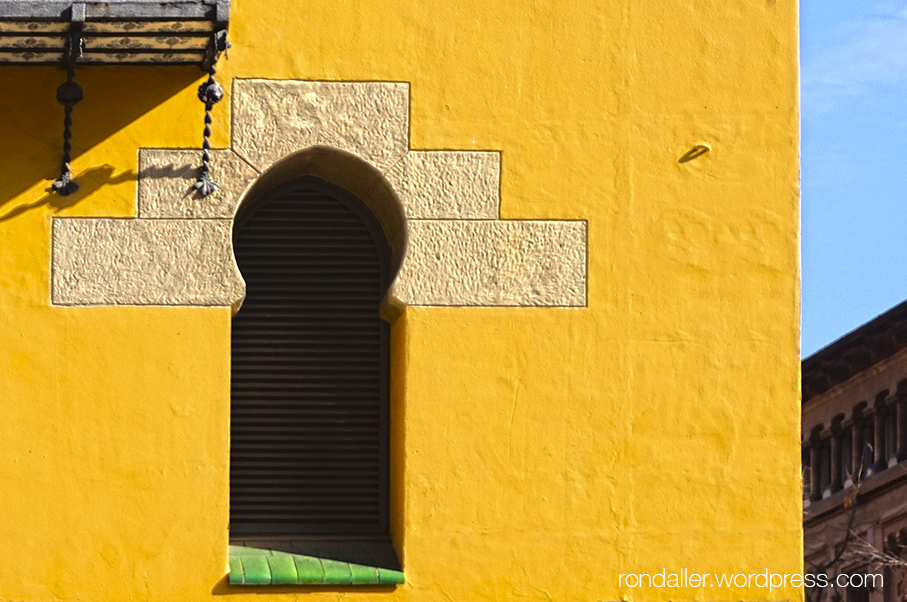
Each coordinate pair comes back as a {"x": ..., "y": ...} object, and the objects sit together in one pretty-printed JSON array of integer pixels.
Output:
[{"x": 440, "y": 210}]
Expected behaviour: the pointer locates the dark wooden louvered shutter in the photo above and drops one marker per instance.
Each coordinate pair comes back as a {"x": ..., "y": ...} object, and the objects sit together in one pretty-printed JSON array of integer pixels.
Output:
[{"x": 309, "y": 426}]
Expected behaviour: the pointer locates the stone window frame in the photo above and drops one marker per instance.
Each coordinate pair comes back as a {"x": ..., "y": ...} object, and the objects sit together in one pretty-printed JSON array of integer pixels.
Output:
[
  {"x": 458, "y": 252},
  {"x": 452, "y": 247}
]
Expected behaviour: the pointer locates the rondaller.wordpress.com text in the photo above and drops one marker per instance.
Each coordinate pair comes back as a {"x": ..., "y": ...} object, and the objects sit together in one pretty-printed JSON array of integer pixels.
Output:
[{"x": 770, "y": 581}]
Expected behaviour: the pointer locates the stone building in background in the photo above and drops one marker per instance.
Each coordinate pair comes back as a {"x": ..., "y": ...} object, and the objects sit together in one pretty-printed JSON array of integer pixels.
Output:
[{"x": 854, "y": 450}]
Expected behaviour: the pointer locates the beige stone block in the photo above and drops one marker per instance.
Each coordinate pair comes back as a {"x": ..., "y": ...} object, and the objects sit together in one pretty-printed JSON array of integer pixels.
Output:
[
  {"x": 144, "y": 262},
  {"x": 448, "y": 184},
  {"x": 494, "y": 263},
  {"x": 166, "y": 179},
  {"x": 272, "y": 119}
]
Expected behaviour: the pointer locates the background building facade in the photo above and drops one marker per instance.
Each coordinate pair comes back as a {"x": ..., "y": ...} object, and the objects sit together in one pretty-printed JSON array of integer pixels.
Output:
[
  {"x": 854, "y": 446},
  {"x": 593, "y": 351}
]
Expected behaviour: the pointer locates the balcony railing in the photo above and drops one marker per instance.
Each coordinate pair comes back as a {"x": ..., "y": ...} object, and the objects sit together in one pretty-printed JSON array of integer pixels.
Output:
[{"x": 136, "y": 32}]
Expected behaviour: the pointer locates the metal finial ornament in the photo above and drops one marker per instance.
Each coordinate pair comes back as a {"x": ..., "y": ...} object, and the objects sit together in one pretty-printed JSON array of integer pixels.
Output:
[
  {"x": 210, "y": 93},
  {"x": 69, "y": 94}
]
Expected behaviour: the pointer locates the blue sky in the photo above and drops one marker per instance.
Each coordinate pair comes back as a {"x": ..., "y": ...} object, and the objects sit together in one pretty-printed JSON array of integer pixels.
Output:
[{"x": 854, "y": 163}]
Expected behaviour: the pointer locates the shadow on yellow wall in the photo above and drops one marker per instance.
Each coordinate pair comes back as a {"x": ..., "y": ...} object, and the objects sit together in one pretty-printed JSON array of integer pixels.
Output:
[
  {"x": 90, "y": 181},
  {"x": 33, "y": 120}
]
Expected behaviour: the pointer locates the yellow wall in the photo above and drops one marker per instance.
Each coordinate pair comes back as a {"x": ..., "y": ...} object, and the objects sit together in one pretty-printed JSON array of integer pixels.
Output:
[{"x": 546, "y": 450}]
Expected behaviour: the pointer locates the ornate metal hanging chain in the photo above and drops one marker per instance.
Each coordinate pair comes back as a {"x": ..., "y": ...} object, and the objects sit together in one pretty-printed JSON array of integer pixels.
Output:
[
  {"x": 210, "y": 93},
  {"x": 69, "y": 94}
]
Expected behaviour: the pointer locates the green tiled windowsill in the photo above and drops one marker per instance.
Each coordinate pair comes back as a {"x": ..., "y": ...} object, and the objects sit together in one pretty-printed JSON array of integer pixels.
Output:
[{"x": 255, "y": 566}]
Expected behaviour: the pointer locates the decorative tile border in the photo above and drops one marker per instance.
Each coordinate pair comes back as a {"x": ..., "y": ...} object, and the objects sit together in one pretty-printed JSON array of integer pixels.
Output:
[{"x": 178, "y": 251}]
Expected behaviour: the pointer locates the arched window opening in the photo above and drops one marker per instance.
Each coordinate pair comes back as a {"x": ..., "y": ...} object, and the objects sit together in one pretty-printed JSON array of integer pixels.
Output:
[{"x": 309, "y": 394}]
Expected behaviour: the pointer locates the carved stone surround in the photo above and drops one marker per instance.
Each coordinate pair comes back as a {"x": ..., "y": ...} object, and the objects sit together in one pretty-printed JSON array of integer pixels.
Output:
[{"x": 178, "y": 251}]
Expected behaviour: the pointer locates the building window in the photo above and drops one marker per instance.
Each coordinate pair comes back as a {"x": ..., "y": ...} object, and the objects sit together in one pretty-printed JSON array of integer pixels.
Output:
[
  {"x": 868, "y": 448},
  {"x": 890, "y": 433},
  {"x": 859, "y": 592},
  {"x": 309, "y": 426},
  {"x": 824, "y": 466},
  {"x": 804, "y": 463},
  {"x": 846, "y": 456}
]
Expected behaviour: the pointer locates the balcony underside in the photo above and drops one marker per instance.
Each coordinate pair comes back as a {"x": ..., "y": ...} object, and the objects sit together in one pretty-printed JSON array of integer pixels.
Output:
[{"x": 133, "y": 32}]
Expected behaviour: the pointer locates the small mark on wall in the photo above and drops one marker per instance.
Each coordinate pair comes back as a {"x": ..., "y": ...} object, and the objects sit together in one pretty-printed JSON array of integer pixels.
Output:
[{"x": 694, "y": 153}]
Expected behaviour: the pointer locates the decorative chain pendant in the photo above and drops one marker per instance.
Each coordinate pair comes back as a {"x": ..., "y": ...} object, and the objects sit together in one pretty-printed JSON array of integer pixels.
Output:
[
  {"x": 69, "y": 94},
  {"x": 210, "y": 93}
]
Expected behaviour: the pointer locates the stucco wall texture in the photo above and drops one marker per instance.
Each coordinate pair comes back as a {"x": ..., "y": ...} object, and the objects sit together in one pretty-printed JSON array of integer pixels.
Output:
[{"x": 540, "y": 452}]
